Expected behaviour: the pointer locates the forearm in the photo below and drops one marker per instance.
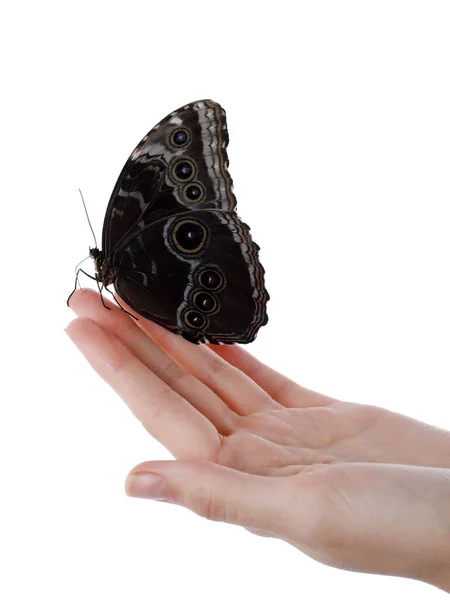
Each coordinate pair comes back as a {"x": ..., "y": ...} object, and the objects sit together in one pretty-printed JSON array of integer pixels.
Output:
[{"x": 442, "y": 580}]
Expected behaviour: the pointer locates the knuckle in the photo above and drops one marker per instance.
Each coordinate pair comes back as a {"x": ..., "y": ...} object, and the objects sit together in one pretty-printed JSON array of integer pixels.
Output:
[
  {"x": 168, "y": 399},
  {"x": 231, "y": 451},
  {"x": 287, "y": 389},
  {"x": 219, "y": 367},
  {"x": 217, "y": 370},
  {"x": 173, "y": 374},
  {"x": 120, "y": 359},
  {"x": 167, "y": 406},
  {"x": 124, "y": 325},
  {"x": 213, "y": 506}
]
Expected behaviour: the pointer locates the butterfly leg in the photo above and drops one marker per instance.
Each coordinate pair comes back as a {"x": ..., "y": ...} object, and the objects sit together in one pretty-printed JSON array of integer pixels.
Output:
[
  {"x": 77, "y": 281},
  {"x": 120, "y": 306},
  {"x": 100, "y": 291}
]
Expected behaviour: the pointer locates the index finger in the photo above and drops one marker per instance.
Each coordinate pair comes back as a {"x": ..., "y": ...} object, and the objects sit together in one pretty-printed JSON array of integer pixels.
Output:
[{"x": 168, "y": 417}]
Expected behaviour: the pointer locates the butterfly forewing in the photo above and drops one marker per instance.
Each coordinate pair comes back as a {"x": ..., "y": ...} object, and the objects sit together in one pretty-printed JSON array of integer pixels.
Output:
[{"x": 153, "y": 185}]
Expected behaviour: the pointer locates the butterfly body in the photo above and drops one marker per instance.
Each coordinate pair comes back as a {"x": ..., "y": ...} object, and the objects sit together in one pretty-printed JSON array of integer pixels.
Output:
[{"x": 173, "y": 246}]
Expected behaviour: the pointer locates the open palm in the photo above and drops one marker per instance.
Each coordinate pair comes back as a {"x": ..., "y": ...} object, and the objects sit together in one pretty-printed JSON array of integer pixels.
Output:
[{"x": 351, "y": 485}]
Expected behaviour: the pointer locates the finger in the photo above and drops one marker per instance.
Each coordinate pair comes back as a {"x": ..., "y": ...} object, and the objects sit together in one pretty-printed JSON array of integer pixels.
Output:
[
  {"x": 237, "y": 390},
  {"x": 165, "y": 415},
  {"x": 216, "y": 492},
  {"x": 88, "y": 304},
  {"x": 280, "y": 388}
]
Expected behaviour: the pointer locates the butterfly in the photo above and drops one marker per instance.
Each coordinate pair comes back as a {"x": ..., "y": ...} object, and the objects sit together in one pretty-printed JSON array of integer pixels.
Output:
[{"x": 173, "y": 245}]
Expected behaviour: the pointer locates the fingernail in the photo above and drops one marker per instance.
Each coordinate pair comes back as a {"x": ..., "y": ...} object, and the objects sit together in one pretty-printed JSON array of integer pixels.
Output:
[{"x": 147, "y": 485}]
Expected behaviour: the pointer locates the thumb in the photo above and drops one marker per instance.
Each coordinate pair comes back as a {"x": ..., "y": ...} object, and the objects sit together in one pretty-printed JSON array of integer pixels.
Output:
[{"x": 214, "y": 491}]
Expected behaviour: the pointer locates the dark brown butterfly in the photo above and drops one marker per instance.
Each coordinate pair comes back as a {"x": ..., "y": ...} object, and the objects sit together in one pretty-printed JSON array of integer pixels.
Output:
[{"x": 173, "y": 245}]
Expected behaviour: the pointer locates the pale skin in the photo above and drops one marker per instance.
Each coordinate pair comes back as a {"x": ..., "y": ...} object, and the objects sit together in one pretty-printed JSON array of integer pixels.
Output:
[{"x": 351, "y": 485}]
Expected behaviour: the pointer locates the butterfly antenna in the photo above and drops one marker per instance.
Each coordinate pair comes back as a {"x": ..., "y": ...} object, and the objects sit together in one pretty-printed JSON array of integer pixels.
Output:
[
  {"x": 89, "y": 221},
  {"x": 80, "y": 263}
]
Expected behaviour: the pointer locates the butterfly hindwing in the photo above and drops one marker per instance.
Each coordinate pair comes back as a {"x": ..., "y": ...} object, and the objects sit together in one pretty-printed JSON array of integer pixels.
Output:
[{"x": 196, "y": 273}]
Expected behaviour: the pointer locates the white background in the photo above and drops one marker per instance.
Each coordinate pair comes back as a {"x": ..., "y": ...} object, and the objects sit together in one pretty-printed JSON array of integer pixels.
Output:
[{"x": 340, "y": 151}]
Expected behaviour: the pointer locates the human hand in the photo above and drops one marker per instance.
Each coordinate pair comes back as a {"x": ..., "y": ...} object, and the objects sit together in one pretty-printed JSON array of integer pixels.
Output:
[{"x": 353, "y": 486}]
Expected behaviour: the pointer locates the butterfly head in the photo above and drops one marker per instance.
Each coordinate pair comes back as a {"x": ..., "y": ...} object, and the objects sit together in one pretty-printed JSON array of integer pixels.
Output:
[
  {"x": 104, "y": 272},
  {"x": 96, "y": 254}
]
